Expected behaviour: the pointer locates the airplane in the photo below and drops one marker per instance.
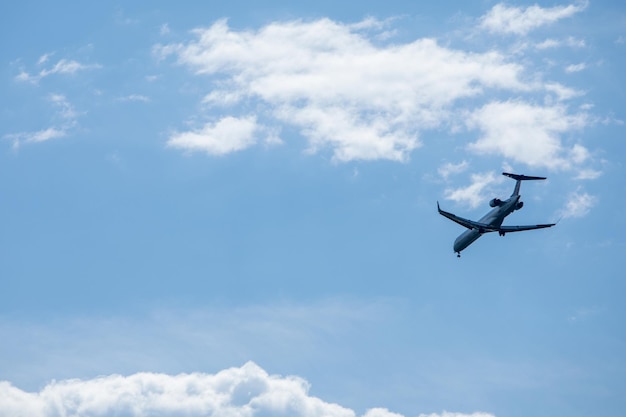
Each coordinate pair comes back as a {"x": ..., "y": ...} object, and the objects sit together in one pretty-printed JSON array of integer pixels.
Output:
[{"x": 492, "y": 221}]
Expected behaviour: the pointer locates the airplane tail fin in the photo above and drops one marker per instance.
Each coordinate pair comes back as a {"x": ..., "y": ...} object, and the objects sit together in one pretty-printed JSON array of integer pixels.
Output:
[{"x": 519, "y": 179}]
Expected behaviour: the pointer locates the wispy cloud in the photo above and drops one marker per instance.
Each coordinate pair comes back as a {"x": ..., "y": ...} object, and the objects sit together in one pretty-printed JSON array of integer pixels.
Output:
[
  {"x": 65, "y": 117},
  {"x": 44, "y": 58},
  {"x": 274, "y": 333},
  {"x": 578, "y": 204},
  {"x": 135, "y": 97},
  {"x": 520, "y": 21},
  {"x": 63, "y": 66},
  {"x": 588, "y": 174},
  {"x": 562, "y": 92},
  {"x": 575, "y": 67},
  {"x": 449, "y": 168},
  {"x": 555, "y": 43}
]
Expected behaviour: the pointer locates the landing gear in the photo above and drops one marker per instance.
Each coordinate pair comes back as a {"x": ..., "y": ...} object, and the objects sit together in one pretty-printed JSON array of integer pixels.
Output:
[
  {"x": 458, "y": 254},
  {"x": 501, "y": 233}
]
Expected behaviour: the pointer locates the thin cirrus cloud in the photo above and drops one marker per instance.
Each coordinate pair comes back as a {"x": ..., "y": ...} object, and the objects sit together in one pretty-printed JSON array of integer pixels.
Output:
[
  {"x": 575, "y": 67},
  {"x": 450, "y": 168},
  {"x": 216, "y": 335},
  {"x": 63, "y": 66},
  {"x": 337, "y": 86},
  {"x": 520, "y": 21},
  {"x": 65, "y": 119},
  {"x": 246, "y": 391},
  {"x": 135, "y": 98},
  {"x": 578, "y": 204}
]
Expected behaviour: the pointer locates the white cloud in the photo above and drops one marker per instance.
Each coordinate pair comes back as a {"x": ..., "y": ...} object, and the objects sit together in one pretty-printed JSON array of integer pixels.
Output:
[
  {"x": 548, "y": 43},
  {"x": 65, "y": 109},
  {"x": 63, "y": 66},
  {"x": 575, "y": 67},
  {"x": 380, "y": 412},
  {"x": 516, "y": 20},
  {"x": 229, "y": 134},
  {"x": 588, "y": 174},
  {"x": 136, "y": 97},
  {"x": 44, "y": 58},
  {"x": 555, "y": 43},
  {"x": 339, "y": 89},
  {"x": 66, "y": 119},
  {"x": 449, "y": 168},
  {"x": 527, "y": 133},
  {"x": 246, "y": 391},
  {"x": 578, "y": 204},
  {"x": 42, "y": 135},
  {"x": 562, "y": 92},
  {"x": 474, "y": 194},
  {"x": 449, "y": 414}
]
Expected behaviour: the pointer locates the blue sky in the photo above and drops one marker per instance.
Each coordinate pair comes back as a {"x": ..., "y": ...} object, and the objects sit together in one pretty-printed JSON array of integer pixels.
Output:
[{"x": 231, "y": 208}]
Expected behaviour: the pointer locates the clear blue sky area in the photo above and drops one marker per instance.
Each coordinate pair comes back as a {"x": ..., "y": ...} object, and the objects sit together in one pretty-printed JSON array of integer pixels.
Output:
[{"x": 230, "y": 209}]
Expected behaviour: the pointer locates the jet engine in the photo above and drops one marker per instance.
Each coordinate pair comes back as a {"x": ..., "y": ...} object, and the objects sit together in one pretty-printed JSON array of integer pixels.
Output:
[
  {"x": 495, "y": 202},
  {"x": 519, "y": 205}
]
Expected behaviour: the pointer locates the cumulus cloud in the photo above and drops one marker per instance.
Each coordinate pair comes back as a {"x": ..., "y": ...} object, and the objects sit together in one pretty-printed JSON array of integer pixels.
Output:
[
  {"x": 474, "y": 194},
  {"x": 229, "y": 134},
  {"x": 527, "y": 133},
  {"x": 520, "y": 21},
  {"x": 340, "y": 89},
  {"x": 246, "y": 391},
  {"x": 449, "y": 414},
  {"x": 578, "y": 204}
]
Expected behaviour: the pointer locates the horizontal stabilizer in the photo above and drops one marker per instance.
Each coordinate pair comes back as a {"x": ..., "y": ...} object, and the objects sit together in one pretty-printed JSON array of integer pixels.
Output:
[{"x": 522, "y": 177}]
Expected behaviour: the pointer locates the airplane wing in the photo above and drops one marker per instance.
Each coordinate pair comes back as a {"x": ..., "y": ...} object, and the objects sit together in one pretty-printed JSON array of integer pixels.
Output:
[
  {"x": 509, "y": 229},
  {"x": 485, "y": 228},
  {"x": 470, "y": 224}
]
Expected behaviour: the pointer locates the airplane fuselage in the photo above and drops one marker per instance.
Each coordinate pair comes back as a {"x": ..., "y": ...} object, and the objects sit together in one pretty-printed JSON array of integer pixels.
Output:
[{"x": 494, "y": 218}]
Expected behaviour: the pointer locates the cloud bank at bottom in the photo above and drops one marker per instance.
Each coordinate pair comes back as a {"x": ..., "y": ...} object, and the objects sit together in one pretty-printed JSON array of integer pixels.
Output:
[{"x": 242, "y": 392}]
